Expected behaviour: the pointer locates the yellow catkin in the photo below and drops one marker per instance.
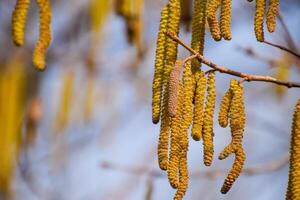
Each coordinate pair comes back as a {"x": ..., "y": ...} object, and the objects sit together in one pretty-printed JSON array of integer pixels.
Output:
[
  {"x": 183, "y": 170},
  {"x": 224, "y": 109},
  {"x": 199, "y": 107},
  {"x": 293, "y": 190},
  {"x": 212, "y": 19},
  {"x": 174, "y": 88},
  {"x": 43, "y": 43},
  {"x": 159, "y": 66},
  {"x": 19, "y": 21},
  {"x": 171, "y": 56},
  {"x": 237, "y": 125},
  {"x": 175, "y": 148},
  {"x": 198, "y": 28},
  {"x": 171, "y": 46},
  {"x": 272, "y": 14},
  {"x": 237, "y": 108},
  {"x": 225, "y": 20},
  {"x": 235, "y": 170},
  {"x": 207, "y": 133},
  {"x": 259, "y": 20},
  {"x": 163, "y": 141}
]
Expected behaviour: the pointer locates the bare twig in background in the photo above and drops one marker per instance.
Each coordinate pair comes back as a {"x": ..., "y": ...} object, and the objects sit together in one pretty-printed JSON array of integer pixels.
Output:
[
  {"x": 282, "y": 48},
  {"x": 289, "y": 39},
  {"x": 247, "y": 77},
  {"x": 252, "y": 170}
]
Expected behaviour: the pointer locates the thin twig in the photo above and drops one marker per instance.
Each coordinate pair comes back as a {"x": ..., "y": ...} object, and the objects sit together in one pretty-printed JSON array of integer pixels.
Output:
[
  {"x": 249, "y": 171},
  {"x": 289, "y": 38},
  {"x": 282, "y": 48},
  {"x": 247, "y": 77}
]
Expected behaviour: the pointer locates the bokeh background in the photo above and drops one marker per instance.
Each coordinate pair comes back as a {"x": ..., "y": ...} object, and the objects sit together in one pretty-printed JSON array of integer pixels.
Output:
[{"x": 81, "y": 129}]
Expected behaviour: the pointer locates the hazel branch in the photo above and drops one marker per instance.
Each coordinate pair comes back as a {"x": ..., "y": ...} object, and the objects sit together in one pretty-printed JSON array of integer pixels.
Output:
[
  {"x": 282, "y": 48},
  {"x": 221, "y": 69}
]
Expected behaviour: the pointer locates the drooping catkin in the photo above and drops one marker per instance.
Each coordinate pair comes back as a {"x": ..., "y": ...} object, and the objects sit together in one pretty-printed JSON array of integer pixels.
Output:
[
  {"x": 174, "y": 88},
  {"x": 198, "y": 29},
  {"x": 175, "y": 146},
  {"x": 293, "y": 190},
  {"x": 235, "y": 170},
  {"x": 163, "y": 141},
  {"x": 272, "y": 14},
  {"x": 43, "y": 43},
  {"x": 19, "y": 21},
  {"x": 186, "y": 122},
  {"x": 183, "y": 170},
  {"x": 212, "y": 19},
  {"x": 199, "y": 107},
  {"x": 160, "y": 57},
  {"x": 207, "y": 133},
  {"x": 225, "y": 20},
  {"x": 188, "y": 97},
  {"x": 237, "y": 125},
  {"x": 237, "y": 108},
  {"x": 224, "y": 109},
  {"x": 259, "y": 20},
  {"x": 171, "y": 46}
]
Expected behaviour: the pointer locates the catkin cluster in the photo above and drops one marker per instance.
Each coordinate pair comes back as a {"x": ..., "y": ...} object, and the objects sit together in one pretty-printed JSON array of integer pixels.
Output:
[
  {"x": 271, "y": 15},
  {"x": 232, "y": 109},
  {"x": 18, "y": 29},
  {"x": 293, "y": 190},
  {"x": 222, "y": 29}
]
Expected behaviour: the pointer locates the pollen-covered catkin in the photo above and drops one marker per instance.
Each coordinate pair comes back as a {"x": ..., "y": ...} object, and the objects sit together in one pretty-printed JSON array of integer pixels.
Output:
[
  {"x": 259, "y": 20},
  {"x": 272, "y": 14},
  {"x": 160, "y": 56},
  {"x": 237, "y": 125},
  {"x": 198, "y": 29},
  {"x": 235, "y": 170},
  {"x": 175, "y": 146},
  {"x": 237, "y": 108},
  {"x": 174, "y": 88},
  {"x": 43, "y": 43},
  {"x": 163, "y": 141},
  {"x": 293, "y": 190},
  {"x": 199, "y": 107},
  {"x": 171, "y": 46},
  {"x": 207, "y": 133},
  {"x": 212, "y": 19},
  {"x": 183, "y": 171},
  {"x": 224, "y": 109},
  {"x": 225, "y": 20},
  {"x": 19, "y": 21}
]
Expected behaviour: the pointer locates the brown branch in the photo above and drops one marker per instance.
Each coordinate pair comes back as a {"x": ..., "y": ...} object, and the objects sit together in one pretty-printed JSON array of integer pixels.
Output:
[
  {"x": 153, "y": 173},
  {"x": 282, "y": 48},
  {"x": 247, "y": 77}
]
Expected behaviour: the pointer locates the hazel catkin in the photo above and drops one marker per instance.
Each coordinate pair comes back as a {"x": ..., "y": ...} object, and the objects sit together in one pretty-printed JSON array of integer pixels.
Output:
[
  {"x": 224, "y": 109},
  {"x": 293, "y": 190},
  {"x": 174, "y": 88},
  {"x": 175, "y": 146},
  {"x": 19, "y": 17},
  {"x": 212, "y": 19},
  {"x": 198, "y": 29},
  {"x": 207, "y": 133},
  {"x": 160, "y": 57},
  {"x": 199, "y": 107},
  {"x": 225, "y": 20},
  {"x": 235, "y": 170},
  {"x": 163, "y": 141},
  {"x": 43, "y": 43},
  {"x": 272, "y": 14},
  {"x": 259, "y": 20},
  {"x": 237, "y": 108}
]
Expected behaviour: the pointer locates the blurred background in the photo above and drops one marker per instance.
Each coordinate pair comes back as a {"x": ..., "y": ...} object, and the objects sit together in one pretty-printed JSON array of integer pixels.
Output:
[{"x": 82, "y": 128}]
